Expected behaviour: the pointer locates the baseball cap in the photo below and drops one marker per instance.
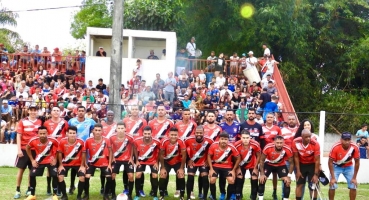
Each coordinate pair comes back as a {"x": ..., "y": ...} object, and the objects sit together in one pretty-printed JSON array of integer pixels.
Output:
[
  {"x": 5, "y": 101},
  {"x": 101, "y": 47},
  {"x": 346, "y": 135},
  {"x": 4, "y": 62},
  {"x": 243, "y": 55},
  {"x": 251, "y": 52},
  {"x": 32, "y": 106}
]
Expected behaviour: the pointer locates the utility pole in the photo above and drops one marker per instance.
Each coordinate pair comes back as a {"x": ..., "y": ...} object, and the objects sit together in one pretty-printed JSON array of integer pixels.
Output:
[{"x": 116, "y": 59}]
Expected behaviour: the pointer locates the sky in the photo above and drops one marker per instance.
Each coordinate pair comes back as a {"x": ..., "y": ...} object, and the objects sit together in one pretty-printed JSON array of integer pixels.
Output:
[{"x": 48, "y": 28}]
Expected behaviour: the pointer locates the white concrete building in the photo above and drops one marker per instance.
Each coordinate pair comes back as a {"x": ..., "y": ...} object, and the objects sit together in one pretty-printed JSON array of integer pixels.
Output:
[{"x": 136, "y": 44}]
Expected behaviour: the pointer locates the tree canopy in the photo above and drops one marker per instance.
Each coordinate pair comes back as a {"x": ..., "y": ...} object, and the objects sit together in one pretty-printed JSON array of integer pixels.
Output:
[{"x": 9, "y": 38}]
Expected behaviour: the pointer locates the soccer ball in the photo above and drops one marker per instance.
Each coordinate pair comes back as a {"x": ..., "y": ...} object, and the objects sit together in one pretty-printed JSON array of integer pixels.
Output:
[{"x": 122, "y": 196}]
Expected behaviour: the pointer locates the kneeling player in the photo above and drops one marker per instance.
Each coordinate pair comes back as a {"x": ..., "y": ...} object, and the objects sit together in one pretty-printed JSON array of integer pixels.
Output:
[
  {"x": 198, "y": 147},
  {"x": 146, "y": 150},
  {"x": 45, "y": 148},
  {"x": 250, "y": 157},
  {"x": 172, "y": 156},
  {"x": 273, "y": 159},
  {"x": 122, "y": 145},
  {"x": 71, "y": 155},
  {"x": 101, "y": 156},
  {"x": 220, "y": 159}
]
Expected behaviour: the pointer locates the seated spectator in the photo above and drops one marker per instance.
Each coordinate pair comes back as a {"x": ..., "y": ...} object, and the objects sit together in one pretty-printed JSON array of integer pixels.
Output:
[
  {"x": 11, "y": 131},
  {"x": 183, "y": 83},
  {"x": 186, "y": 102},
  {"x": 149, "y": 110},
  {"x": 271, "y": 89},
  {"x": 102, "y": 113},
  {"x": 70, "y": 73},
  {"x": 259, "y": 118},
  {"x": 59, "y": 75},
  {"x": 101, "y": 52},
  {"x": 264, "y": 82},
  {"x": 56, "y": 57},
  {"x": 242, "y": 113},
  {"x": 152, "y": 56},
  {"x": 220, "y": 80},
  {"x": 363, "y": 147},
  {"x": 3, "y": 128},
  {"x": 41, "y": 72},
  {"x": 145, "y": 95},
  {"x": 6, "y": 111},
  {"x": 271, "y": 107},
  {"x": 362, "y": 132}
]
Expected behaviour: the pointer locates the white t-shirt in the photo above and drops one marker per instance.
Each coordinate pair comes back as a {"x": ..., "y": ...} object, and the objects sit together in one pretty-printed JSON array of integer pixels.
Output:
[
  {"x": 191, "y": 48},
  {"x": 264, "y": 82},
  {"x": 220, "y": 81},
  {"x": 266, "y": 52},
  {"x": 234, "y": 60},
  {"x": 270, "y": 68},
  {"x": 250, "y": 61},
  {"x": 139, "y": 71},
  {"x": 202, "y": 77}
]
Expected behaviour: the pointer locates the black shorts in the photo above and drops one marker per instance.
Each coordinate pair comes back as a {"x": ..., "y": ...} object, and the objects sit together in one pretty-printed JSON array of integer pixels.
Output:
[
  {"x": 222, "y": 172},
  {"x": 307, "y": 171},
  {"x": 142, "y": 168},
  {"x": 39, "y": 171},
  {"x": 66, "y": 169},
  {"x": 104, "y": 170},
  {"x": 193, "y": 169},
  {"x": 169, "y": 167},
  {"x": 128, "y": 168},
  {"x": 282, "y": 171},
  {"x": 24, "y": 161},
  {"x": 243, "y": 171}
]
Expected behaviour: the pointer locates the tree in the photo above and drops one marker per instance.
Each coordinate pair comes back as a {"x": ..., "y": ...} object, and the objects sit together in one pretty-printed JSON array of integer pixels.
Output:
[{"x": 9, "y": 38}]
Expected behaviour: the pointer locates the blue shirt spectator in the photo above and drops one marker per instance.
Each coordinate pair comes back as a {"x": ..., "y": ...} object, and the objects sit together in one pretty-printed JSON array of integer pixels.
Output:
[
  {"x": 270, "y": 107},
  {"x": 186, "y": 102},
  {"x": 6, "y": 109}
]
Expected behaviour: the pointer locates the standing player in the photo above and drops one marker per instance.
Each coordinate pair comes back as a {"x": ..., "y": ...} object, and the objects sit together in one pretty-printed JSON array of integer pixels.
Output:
[
  {"x": 220, "y": 160},
  {"x": 340, "y": 162},
  {"x": 84, "y": 128},
  {"x": 56, "y": 128},
  {"x": 198, "y": 146},
  {"x": 160, "y": 126},
  {"x": 231, "y": 126},
  {"x": 306, "y": 154},
  {"x": 186, "y": 127},
  {"x": 211, "y": 129},
  {"x": 250, "y": 157},
  {"x": 134, "y": 127},
  {"x": 172, "y": 156},
  {"x": 270, "y": 132},
  {"x": 100, "y": 156},
  {"x": 255, "y": 129},
  {"x": 122, "y": 145},
  {"x": 71, "y": 155},
  {"x": 146, "y": 150},
  {"x": 27, "y": 129},
  {"x": 273, "y": 159},
  {"x": 108, "y": 130},
  {"x": 45, "y": 149}
]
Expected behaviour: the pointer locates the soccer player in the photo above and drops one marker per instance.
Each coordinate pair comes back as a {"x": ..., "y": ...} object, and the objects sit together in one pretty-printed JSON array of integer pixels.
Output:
[
  {"x": 250, "y": 157},
  {"x": 172, "y": 156},
  {"x": 27, "y": 129},
  {"x": 231, "y": 126},
  {"x": 340, "y": 162},
  {"x": 71, "y": 155},
  {"x": 56, "y": 128},
  {"x": 306, "y": 155},
  {"x": 197, "y": 154},
  {"x": 84, "y": 128},
  {"x": 211, "y": 129},
  {"x": 255, "y": 129},
  {"x": 161, "y": 125},
  {"x": 108, "y": 130},
  {"x": 146, "y": 150},
  {"x": 186, "y": 127},
  {"x": 122, "y": 145},
  {"x": 100, "y": 156},
  {"x": 270, "y": 132},
  {"x": 220, "y": 160},
  {"x": 45, "y": 157},
  {"x": 134, "y": 127},
  {"x": 273, "y": 159}
]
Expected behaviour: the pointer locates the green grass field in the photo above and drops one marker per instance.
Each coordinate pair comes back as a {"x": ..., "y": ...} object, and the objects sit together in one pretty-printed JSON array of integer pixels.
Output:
[{"x": 8, "y": 175}]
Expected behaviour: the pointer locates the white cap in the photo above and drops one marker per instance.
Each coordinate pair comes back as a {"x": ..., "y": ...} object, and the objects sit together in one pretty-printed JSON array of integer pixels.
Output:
[
  {"x": 4, "y": 62},
  {"x": 250, "y": 52},
  {"x": 5, "y": 101},
  {"x": 101, "y": 47}
]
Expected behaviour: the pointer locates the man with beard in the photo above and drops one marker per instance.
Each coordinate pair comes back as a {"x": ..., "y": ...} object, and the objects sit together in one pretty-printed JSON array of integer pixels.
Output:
[
  {"x": 273, "y": 159},
  {"x": 255, "y": 129},
  {"x": 198, "y": 147},
  {"x": 340, "y": 162},
  {"x": 211, "y": 129},
  {"x": 306, "y": 154},
  {"x": 250, "y": 157},
  {"x": 161, "y": 125},
  {"x": 146, "y": 151},
  {"x": 172, "y": 156},
  {"x": 56, "y": 128},
  {"x": 220, "y": 159},
  {"x": 122, "y": 147},
  {"x": 71, "y": 155},
  {"x": 270, "y": 132},
  {"x": 108, "y": 130},
  {"x": 134, "y": 127},
  {"x": 186, "y": 127},
  {"x": 231, "y": 126}
]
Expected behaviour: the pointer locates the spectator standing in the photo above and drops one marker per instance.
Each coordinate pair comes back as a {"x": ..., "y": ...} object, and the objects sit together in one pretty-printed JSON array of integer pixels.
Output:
[
  {"x": 362, "y": 132},
  {"x": 170, "y": 84},
  {"x": 211, "y": 60},
  {"x": 158, "y": 84},
  {"x": 4, "y": 53},
  {"x": 266, "y": 50},
  {"x": 101, "y": 52},
  {"x": 152, "y": 55},
  {"x": 191, "y": 49}
]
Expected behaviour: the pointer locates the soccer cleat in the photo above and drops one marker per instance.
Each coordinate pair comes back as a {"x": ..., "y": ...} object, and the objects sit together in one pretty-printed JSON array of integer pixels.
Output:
[
  {"x": 55, "y": 197},
  {"x": 17, "y": 195},
  {"x": 166, "y": 193},
  {"x": 31, "y": 197},
  {"x": 233, "y": 197},
  {"x": 48, "y": 193},
  {"x": 64, "y": 197},
  {"x": 28, "y": 193},
  {"x": 142, "y": 194},
  {"x": 86, "y": 197},
  {"x": 192, "y": 195},
  {"x": 211, "y": 197},
  {"x": 177, "y": 193},
  {"x": 106, "y": 197},
  {"x": 161, "y": 198},
  {"x": 126, "y": 191},
  {"x": 101, "y": 191},
  {"x": 275, "y": 196},
  {"x": 136, "y": 198},
  {"x": 201, "y": 196},
  {"x": 155, "y": 198},
  {"x": 71, "y": 190},
  {"x": 222, "y": 196}
]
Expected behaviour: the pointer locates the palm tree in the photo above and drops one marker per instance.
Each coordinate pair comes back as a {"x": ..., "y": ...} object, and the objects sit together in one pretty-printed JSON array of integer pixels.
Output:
[{"x": 8, "y": 18}]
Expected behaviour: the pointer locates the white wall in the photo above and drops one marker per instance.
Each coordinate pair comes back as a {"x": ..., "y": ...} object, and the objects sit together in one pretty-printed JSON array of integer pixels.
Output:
[
  {"x": 106, "y": 43},
  {"x": 99, "y": 67}
]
